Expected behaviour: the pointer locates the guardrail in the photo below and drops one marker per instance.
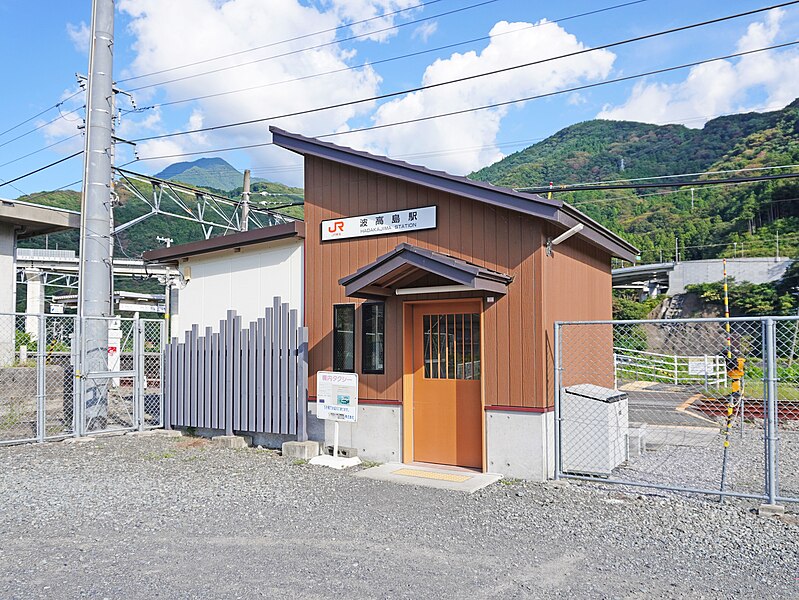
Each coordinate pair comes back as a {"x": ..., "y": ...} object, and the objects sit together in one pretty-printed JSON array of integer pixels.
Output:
[{"x": 708, "y": 370}]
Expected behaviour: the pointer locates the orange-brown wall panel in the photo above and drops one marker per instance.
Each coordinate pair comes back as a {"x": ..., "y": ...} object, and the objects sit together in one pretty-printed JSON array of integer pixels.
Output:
[{"x": 514, "y": 325}]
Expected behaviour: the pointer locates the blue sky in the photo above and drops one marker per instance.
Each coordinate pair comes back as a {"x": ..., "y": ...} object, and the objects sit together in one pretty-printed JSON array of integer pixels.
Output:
[{"x": 44, "y": 45}]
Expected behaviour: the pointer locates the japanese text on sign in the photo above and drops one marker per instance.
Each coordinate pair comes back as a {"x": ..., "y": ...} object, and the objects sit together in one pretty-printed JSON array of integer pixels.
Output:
[
  {"x": 381, "y": 223},
  {"x": 337, "y": 396}
]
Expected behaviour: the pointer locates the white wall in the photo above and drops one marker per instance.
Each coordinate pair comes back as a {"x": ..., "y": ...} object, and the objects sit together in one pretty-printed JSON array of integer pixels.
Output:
[
  {"x": 244, "y": 281},
  {"x": 753, "y": 270}
]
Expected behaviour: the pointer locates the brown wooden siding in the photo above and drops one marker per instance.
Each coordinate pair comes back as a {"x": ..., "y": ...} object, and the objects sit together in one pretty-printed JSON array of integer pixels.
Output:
[
  {"x": 514, "y": 326},
  {"x": 578, "y": 283}
]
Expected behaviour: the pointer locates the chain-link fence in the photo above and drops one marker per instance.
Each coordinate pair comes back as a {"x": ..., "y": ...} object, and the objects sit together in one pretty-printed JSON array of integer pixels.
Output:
[
  {"x": 703, "y": 405},
  {"x": 63, "y": 376}
]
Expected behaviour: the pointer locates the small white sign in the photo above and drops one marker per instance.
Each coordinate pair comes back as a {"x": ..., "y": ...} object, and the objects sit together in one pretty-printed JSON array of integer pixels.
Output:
[
  {"x": 380, "y": 223},
  {"x": 697, "y": 366},
  {"x": 337, "y": 396}
]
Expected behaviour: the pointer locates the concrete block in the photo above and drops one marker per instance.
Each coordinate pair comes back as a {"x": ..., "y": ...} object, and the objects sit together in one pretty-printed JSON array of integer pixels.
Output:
[
  {"x": 636, "y": 435},
  {"x": 232, "y": 441},
  {"x": 302, "y": 450},
  {"x": 164, "y": 433},
  {"x": 343, "y": 451},
  {"x": 771, "y": 510}
]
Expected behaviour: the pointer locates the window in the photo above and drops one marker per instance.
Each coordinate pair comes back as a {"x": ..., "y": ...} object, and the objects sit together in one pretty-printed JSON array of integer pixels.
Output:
[
  {"x": 344, "y": 337},
  {"x": 373, "y": 327},
  {"x": 452, "y": 346}
]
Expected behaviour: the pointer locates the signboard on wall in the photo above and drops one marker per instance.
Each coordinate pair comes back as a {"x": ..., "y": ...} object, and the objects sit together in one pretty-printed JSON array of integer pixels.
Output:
[
  {"x": 395, "y": 221},
  {"x": 337, "y": 396}
]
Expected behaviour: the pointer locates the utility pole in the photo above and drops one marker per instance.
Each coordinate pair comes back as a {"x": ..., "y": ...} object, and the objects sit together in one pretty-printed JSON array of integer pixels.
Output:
[
  {"x": 245, "y": 202},
  {"x": 96, "y": 274},
  {"x": 778, "y": 245},
  {"x": 676, "y": 250}
]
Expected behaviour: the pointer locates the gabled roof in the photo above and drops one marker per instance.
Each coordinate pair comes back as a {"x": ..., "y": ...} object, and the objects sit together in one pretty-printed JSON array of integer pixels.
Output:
[
  {"x": 406, "y": 265},
  {"x": 550, "y": 210},
  {"x": 225, "y": 242}
]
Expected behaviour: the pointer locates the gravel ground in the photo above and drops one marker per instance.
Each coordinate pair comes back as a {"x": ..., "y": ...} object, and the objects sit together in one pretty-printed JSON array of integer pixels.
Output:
[
  {"x": 698, "y": 465},
  {"x": 130, "y": 517}
]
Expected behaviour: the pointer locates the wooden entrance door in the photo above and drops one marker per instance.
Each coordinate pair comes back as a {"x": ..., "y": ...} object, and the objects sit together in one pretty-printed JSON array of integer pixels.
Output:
[{"x": 447, "y": 409}]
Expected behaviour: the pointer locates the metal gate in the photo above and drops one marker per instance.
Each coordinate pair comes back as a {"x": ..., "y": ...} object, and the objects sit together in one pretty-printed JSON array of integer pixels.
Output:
[
  {"x": 695, "y": 405},
  {"x": 54, "y": 385}
]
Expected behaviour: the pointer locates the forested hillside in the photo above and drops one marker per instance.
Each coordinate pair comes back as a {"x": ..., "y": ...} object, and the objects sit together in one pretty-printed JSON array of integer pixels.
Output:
[{"x": 714, "y": 221}]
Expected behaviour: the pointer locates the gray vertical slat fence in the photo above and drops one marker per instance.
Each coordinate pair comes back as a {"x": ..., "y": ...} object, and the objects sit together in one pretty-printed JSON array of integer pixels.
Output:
[{"x": 250, "y": 380}]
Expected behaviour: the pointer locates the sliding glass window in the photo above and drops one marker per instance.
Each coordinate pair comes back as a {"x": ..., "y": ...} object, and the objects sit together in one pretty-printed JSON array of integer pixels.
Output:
[
  {"x": 373, "y": 340},
  {"x": 344, "y": 337}
]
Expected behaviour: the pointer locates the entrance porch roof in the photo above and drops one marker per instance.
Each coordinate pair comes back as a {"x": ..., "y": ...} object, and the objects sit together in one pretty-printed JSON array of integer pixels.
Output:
[{"x": 410, "y": 269}]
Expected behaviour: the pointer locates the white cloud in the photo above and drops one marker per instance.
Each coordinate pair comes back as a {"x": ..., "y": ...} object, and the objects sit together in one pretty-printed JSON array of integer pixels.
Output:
[
  {"x": 164, "y": 38},
  {"x": 80, "y": 35},
  {"x": 719, "y": 87},
  {"x": 353, "y": 11},
  {"x": 425, "y": 30},
  {"x": 479, "y": 129}
]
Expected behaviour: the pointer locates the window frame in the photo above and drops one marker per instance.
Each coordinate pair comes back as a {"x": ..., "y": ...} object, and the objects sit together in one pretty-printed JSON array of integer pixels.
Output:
[
  {"x": 364, "y": 307},
  {"x": 335, "y": 332}
]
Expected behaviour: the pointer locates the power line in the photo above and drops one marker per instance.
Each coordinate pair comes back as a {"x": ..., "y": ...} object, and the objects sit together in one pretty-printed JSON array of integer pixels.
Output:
[
  {"x": 461, "y": 150},
  {"x": 385, "y": 60},
  {"x": 495, "y": 72},
  {"x": 697, "y": 174},
  {"x": 635, "y": 186},
  {"x": 286, "y": 41},
  {"x": 61, "y": 141},
  {"x": 334, "y": 42},
  {"x": 39, "y": 114},
  {"x": 478, "y": 108},
  {"x": 60, "y": 116},
  {"x": 52, "y": 164}
]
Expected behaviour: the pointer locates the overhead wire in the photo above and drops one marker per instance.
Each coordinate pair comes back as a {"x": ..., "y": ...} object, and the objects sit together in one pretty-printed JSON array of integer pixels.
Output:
[
  {"x": 61, "y": 141},
  {"x": 39, "y": 114},
  {"x": 43, "y": 125},
  {"x": 498, "y": 71},
  {"x": 382, "y": 61},
  {"x": 286, "y": 41},
  {"x": 52, "y": 164},
  {"x": 478, "y": 108},
  {"x": 316, "y": 47}
]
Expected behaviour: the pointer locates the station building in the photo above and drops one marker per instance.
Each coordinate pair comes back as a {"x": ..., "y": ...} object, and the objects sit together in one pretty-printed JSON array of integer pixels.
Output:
[{"x": 441, "y": 293}]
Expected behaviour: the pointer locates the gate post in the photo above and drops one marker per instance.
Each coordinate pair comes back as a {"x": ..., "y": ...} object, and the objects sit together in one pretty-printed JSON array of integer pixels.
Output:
[
  {"x": 138, "y": 374},
  {"x": 78, "y": 379},
  {"x": 770, "y": 422},
  {"x": 41, "y": 383},
  {"x": 556, "y": 415}
]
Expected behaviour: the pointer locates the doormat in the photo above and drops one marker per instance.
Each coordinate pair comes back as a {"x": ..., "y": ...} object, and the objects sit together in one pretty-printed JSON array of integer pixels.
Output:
[{"x": 432, "y": 475}]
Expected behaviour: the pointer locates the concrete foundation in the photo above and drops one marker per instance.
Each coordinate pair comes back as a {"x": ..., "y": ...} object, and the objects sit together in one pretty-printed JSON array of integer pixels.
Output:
[
  {"x": 521, "y": 444},
  {"x": 34, "y": 301},
  {"x": 301, "y": 450},
  {"x": 771, "y": 510},
  {"x": 8, "y": 291},
  {"x": 376, "y": 436},
  {"x": 232, "y": 441}
]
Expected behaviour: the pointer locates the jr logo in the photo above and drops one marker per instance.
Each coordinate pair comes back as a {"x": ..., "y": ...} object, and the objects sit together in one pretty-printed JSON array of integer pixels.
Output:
[{"x": 336, "y": 226}]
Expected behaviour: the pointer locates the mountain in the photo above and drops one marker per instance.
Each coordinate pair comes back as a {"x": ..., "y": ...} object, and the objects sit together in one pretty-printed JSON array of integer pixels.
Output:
[
  {"x": 712, "y": 221},
  {"x": 210, "y": 173}
]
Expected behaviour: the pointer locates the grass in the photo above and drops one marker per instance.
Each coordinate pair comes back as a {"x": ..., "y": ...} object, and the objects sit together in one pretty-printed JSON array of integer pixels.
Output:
[
  {"x": 368, "y": 464},
  {"x": 299, "y": 461},
  {"x": 159, "y": 456},
  {"x": 510, "y": 481}
]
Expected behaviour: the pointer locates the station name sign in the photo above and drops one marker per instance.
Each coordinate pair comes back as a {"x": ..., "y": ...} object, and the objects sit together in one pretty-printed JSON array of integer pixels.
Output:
[{"x": 395, "y": 221}]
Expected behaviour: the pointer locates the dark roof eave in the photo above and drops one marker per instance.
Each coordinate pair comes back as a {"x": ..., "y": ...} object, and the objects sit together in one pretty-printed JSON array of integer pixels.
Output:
[
  {"x": 226, "y": 242},
  {"x": 531, "y": 204}
]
